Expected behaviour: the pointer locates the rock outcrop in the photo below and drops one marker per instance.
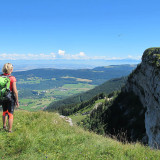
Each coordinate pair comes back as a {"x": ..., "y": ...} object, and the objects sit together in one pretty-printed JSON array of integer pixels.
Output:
[{"x": 145, "y": 83}]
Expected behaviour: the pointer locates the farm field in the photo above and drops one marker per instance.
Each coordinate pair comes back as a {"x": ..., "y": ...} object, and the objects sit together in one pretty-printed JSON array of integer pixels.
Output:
[{"x": 41, "y": 98}]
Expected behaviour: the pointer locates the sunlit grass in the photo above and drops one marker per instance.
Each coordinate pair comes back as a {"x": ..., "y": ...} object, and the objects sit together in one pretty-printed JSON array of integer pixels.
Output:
[{"x": 41, "y": 135}]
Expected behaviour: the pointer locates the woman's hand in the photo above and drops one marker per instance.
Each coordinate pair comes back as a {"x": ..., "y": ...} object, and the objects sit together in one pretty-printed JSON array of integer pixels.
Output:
[
  {"x": 15, "y": 94},
  {"x": 17, "y": 104}
]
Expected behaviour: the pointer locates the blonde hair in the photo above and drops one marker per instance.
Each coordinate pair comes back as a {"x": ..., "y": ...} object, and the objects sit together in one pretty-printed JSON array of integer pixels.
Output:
[{"x": 7, "y": 68}]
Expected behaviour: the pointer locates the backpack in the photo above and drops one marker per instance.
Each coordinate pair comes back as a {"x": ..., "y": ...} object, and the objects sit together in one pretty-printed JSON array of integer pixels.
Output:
[{"x": 5, "y": 93}]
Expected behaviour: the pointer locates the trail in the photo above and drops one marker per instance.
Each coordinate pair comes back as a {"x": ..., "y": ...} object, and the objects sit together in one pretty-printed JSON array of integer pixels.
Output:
[{"x": 67, "y": 119}]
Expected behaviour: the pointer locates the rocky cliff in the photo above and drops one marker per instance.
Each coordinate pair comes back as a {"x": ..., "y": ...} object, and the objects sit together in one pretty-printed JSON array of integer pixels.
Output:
[
  {"x": 145, "y": 83},
  {"x": 134, "y": 113}
]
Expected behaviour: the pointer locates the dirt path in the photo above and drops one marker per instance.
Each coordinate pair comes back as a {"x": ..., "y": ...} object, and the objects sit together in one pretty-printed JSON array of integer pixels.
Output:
[{"x": 67, "y": 119}]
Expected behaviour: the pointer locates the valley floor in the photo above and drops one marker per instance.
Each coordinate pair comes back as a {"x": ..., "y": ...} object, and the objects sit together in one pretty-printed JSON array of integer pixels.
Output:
[{"x": 42, "y": 135}]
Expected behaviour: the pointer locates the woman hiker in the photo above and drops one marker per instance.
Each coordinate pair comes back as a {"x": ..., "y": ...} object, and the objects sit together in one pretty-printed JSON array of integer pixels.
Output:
[{"x": 8, "y": 106}]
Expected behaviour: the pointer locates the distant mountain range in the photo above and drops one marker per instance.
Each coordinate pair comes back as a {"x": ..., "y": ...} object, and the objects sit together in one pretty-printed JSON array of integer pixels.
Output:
[
  {"x": 22, "y": 65},
  {"x": 96, "y": 76}
]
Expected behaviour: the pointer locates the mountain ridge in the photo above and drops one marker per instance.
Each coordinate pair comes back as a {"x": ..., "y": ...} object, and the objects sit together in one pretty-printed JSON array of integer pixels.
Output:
[{"x": 22, "y": 65}]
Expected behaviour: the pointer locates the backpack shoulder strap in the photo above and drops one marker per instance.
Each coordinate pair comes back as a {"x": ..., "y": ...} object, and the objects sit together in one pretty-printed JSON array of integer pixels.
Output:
[{"x": 2, "y": 75}]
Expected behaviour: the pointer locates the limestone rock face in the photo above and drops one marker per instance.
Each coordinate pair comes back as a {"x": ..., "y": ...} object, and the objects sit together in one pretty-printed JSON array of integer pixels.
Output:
[{"x": 145, "y": 83}]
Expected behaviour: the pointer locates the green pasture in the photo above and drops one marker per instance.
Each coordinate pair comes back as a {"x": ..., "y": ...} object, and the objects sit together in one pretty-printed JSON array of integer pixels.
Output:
[
  {"x": 43, "y": 98},
  {"x": 34, "y": 104},
  {"x": 43, "y": 135}
]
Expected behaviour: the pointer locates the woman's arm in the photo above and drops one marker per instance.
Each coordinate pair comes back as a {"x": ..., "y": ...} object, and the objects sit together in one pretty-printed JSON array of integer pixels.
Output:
[{"x": 15, "y": 93}]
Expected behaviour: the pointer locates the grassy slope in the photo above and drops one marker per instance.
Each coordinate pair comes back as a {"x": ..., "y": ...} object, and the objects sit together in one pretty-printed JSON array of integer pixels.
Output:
[
  {"x": 41, "y": 135},
  {"x": 78, "y": 116}
]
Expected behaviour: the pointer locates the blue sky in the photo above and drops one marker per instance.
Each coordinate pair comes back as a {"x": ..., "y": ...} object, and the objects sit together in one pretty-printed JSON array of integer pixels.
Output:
[{"x": 78, "y": 29}]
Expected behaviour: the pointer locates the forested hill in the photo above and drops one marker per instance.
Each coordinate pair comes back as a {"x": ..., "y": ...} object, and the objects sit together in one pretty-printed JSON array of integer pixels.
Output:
[
  {"x": 95, "y": 76},
  {"x": 106, "y": 88}
]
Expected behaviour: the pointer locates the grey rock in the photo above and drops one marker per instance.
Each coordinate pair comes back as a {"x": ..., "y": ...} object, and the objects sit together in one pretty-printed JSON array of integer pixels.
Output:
[{"x": 145, "y": 83}]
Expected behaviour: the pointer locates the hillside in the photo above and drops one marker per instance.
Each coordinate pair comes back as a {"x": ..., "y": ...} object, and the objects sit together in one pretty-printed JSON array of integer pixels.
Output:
[
  {"x": 43, "y": 135},
  {"x": 134, "y": 112},
  {"x": 121, "y": 115},
  {"x": 106, "y": 88},
  {"x": 96, "y": 76}
]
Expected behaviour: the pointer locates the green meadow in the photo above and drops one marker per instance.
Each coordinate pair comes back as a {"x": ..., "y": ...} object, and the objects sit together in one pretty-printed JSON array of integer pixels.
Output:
[
  {"x": 42, "y": 98},
  {"x": 42, "y": 135}
]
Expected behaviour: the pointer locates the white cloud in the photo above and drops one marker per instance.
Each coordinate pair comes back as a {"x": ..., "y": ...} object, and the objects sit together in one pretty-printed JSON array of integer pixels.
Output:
[
  {"x": 114, "y": 58},
  {"x": 61, "y": 52},
  {"x": 82, "y": 54},
  {"x": 136, "y": 58},
  {"x": 53, "y": 55},
  {"x": 29, "y": 56},
  {"x": 98, "y": 57},
  {"x": 61, "y": 55}
]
